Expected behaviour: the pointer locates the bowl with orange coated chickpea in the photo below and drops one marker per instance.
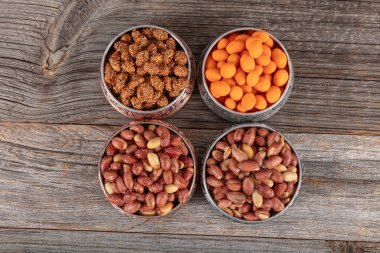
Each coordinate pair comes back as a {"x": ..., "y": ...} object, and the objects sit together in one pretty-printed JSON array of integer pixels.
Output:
[{"x": 245, "y": 74}]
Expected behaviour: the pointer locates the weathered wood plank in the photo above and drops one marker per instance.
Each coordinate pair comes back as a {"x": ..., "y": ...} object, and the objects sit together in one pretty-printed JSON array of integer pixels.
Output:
[
  {"x": 49, "y": 181},
  {"x": 81, "y": 241},
  {"x": 50, "y": 59}
]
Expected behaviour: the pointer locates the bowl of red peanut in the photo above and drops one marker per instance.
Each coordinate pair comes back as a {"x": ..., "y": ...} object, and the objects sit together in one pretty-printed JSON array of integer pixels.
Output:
[
  {"x": 148, "y": 169},
  {"x": 147, "y": 72},
  {"x": 251, "y": 173}
]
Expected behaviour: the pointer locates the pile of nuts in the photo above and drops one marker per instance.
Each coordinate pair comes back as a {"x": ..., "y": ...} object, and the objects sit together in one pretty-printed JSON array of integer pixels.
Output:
[
  {"x": 147, "y": 170},
  {"x": 252, "y": 173},
  {"x": 247, "y": 71},
  {"x": 146, "y": 69}
]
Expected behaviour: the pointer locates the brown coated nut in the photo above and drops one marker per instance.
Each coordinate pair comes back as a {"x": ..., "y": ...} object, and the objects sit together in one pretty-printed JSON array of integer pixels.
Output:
[
  {"x": 132, "y": 207},
  {"x": 236, "y": 197},
  {"x": 119, "y": 143},
  {"x": 161, "y": 199},
  {"x": 274, "y": 149},
  {"x": 224, "y": 203},
  {"x": 248, "y": 166},
  {"x": 111, "y": 150},
  {"x": 221, "y": 145},
  {"x": 120, "y": 185},
  {"x": 139, "y": 140},
  {"x": 263, "y": 214},
  {"x": 265, "y": 191},
  {"x": 249, "y": 136},
  {"x": 273, "y": 137},
  {"x": 238, "y": 154},
  {"x": 248, "y": 186},
  {"x": 234, "y": 185},
  {"x": 245, "y": 208},
  {"x": 129, "y": 197},
  {"x": 230, "y": 138},
  {"x": 217, "y": 155},
  {"x": 263, "y": 174},
  {"x": 153, "y": 160},
  {"x": 294, "y": 161},
  {"x": 230, "y": 175},
  {"x": 144, "y": 210},
  {"x": 156, "y": 174},
  {"x": 142, "y": 153},
  {"x": 173, "y": 151},
  {"x": 260, "y": 141},
  {"x": 171, "y": 197},
  {"x": 154, "y": 142},
  {"x": 237, "y": 214},
  {"x": 211, "y": 161},
  {"x": 180, "y": 181},
  {"x": 250, "y": 216},
  {"x": 273, "y": 161},
  {"x": 174, "y": 167},
  {"x": 105, "y": 163},
  {"x": 110, "y": 175},
  {"x": 175, "y": 140},
  {"x": 127, "y": 135},
  {"x": 188, "y": 174},
  {"x": 259, "y": 157},
  {"x": 267, "y": 204},
  {"x": 137, "y": 129},
  {"x": 238, "y": 134},
  {"x": 286, "y": 155},
  {"x": 277, "y": 176},
  {"x": 279, "y": 189},
  {"x": 168, "y": 176},
  {"x": 278, "y": 206},
  {"x": 232, "y": 165},
  {"x": 215, "y": 171},
  {"x": 165, "y": 161},
  {"x": 115, "y": 166},
  {"x": 137, "y": 168},
  {"x": 187, "y": 161},
  {"x": 156, "y": 188},
  {"x": 148, "y": 135},
  {"x": 145, "y": 181},
  {"x": 182, "y": 195},
  {"x": 285, "y": 200},
  {"x": 129, "y": 159},
  {"x": 116, "y": 199},
  {"x": 150, "y": 200}
]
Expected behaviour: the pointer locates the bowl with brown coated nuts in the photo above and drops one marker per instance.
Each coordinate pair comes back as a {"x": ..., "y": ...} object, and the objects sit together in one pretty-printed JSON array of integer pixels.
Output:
[
  {"x": 147, "y": 72},
  {"x": 251, "y": 173}
]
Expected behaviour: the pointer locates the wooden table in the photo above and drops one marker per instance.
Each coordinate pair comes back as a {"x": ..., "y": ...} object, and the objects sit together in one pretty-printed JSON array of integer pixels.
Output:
[{"x": 55, "y": 120}]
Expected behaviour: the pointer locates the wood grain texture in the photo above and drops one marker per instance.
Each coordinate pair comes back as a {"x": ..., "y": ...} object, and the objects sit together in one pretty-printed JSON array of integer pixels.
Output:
[
  {"x": 50, "y": 60},
  {"x": 81, "y": 241},
  {"x": 49, "y": 180}
]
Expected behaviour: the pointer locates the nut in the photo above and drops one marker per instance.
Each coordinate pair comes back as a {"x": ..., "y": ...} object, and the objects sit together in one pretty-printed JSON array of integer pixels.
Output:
[
  {"x": 236, "y": 197},
  {"x": 238, "y": 154},
  {"x": 119, "y": 143},
  {"x": 108, "y": 188},
  {"x": 263, "y": 174},
  {"x": 249, "y": 151},
  {"x": 279, "y": 189},
  {"x": 273, "y": 161},
  {"x": 265, "y": 191},
  {"x": 281, "y": 167},
  {"x": 234, "y": 185},
  {"x": 215, "y": 171},
  {"x": 238, "y": 134},
  {"x": 139, "y": 140},
  {"x": 290, "y": 169},
  {"x": 161, "y": 198},
  {"x": 290, "y": 176},
  {"x": 217, "y": 155},
  {"x": 250, "y": 216},
  {"x": 154, "y": 143},
  {"x": 164, "y": 210},
  {"x": 257, "y": 199},
  {"x": 171, "y": 188},
  {"x": 132, "y": 207},
  {"x": 227, "y": 153},
  {"x": 268, "y": 182},
  {"x": 248, "y": 166},
  {"x": 248, "y": 186},
  {"x": 153, "y": 160},
  {"x": 214, "y": 182},
  {"x": 249, "y": 136},
  {"x": 182, "y": 195},
  {"x": 274, "y": 149},
  {"x": 278, "y": 206},
  {"x": 116, "y": 199}
]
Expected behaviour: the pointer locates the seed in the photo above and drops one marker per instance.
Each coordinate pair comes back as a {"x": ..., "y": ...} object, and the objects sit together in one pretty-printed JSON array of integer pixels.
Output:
[
  {"x": 257, "y": 199},
  {"x": 290, "y": 176},
  {"x": 154, "y": 160},
  {"x": 248, "y": 150},
  {"x": 171, "y": 188},
  {"x": 166, "y": 208},
  {"x": 154, "y": 143}
]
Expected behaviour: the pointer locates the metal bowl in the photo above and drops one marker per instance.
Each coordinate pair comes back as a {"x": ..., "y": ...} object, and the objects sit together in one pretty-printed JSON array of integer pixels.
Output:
[
  {"x": 165, "y": 111},
  {"x": 205, "y": 187},
  {"x": 232, "y": 115},
  {"x": 191, "y": 152}
]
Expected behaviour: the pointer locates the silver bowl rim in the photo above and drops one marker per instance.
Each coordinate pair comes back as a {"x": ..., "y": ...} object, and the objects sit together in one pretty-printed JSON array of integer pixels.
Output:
[
  {"x": 103, "y": 61},
  {"x": 206, "y": 192},
  {"x": 178, "y": 132},
  {"x": 204, "y": 82}
]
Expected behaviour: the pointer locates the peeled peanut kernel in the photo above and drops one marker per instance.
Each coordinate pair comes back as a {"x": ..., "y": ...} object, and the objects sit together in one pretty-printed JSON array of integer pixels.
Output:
[
  {"x": 147, "y": 167},
  {"x": 148, "y": 213},
  {"x": 290, "y": 176},
  {"x": 280, "y": 168},
  {"x": 154, "y": 143},
  {"x": 171, "y": 188},
  {"x": 268, "y": 182},
  {"x": 257, "y": 199},
  {"x": 248, "y": 150},
  {"x": 108, "y": 188},
  {"x": 292, "y": 169},
  {"x": 166, "y": 208},
  {"x": 227, "y": 153},
  {"x": 154, "y": 160},
  {"x": 117, "y": 158}
]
